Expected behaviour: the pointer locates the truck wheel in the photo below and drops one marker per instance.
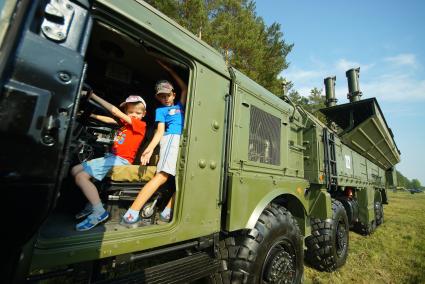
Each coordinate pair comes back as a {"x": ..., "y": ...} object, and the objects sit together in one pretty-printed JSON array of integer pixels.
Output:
[
  {"x": 327, "y": 247},
  {"x": 271, "y": 252},
  {"x": 379, "y": 213},
  {"x": 365, "y": 229}
]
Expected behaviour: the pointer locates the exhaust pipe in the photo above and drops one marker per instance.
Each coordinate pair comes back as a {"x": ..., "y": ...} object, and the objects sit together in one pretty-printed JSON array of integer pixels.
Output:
[
  {"x": 330, "y": 91},
  {"x": 354, "y": 93}
]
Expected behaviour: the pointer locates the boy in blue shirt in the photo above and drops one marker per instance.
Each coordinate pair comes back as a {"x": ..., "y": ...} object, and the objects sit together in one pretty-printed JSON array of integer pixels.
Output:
[{"x": 170, "y": 118}]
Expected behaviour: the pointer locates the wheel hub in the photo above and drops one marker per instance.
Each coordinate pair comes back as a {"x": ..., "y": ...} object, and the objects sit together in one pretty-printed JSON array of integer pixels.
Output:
[
  {"x": 280, "y": 266},
  {"x": 341, "y": 239}
]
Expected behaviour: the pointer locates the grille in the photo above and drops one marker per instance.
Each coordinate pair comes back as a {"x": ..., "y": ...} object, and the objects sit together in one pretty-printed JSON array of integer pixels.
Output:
[{"x": 264, "y": 137}]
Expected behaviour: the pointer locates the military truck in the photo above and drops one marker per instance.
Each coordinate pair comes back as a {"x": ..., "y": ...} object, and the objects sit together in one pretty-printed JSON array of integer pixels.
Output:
[{"x": 261, "y": 184}]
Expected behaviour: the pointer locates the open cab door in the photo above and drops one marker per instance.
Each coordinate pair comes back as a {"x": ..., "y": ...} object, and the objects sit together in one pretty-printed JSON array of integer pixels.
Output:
[{"x": 42, "y": 67}]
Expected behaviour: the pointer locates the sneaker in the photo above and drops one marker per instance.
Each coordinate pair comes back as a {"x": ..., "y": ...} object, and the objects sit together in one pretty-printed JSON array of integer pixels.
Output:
[
  {"x": 91, "y": 221},
  {"x": 131, "y": 222},
  {"x": 88, "y": 209},
  {"x": 163, "y": 219}
]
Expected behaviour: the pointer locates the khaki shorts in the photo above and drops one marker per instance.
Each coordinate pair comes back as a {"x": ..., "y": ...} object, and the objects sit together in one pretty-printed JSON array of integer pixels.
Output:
[{"x": 169, "y": 149}]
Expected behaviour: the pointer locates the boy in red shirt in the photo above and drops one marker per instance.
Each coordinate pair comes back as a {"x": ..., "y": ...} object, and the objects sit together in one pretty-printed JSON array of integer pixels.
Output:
[{"x": 126, "y": 143}]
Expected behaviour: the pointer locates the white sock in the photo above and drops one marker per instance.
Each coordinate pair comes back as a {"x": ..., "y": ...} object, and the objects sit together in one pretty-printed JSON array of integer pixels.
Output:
[
  {"x": 131, "y": 214},
  {"x": 166, "y": 212},
  {"x": 98, "y": 209}
]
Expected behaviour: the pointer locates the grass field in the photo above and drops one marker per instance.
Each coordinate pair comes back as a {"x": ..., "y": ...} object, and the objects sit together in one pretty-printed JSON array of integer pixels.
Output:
[{"x": 394, "y": 253}]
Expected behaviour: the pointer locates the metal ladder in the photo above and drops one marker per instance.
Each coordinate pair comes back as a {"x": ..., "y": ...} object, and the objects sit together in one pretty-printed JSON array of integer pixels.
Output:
[{"x": 330, "y": 160}]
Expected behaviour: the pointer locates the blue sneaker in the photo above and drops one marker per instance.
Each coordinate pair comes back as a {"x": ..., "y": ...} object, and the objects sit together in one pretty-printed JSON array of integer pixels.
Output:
[
  {"x": 91, "y": 221},
  {"x": 88, "y": 209},
  {"x": 163, "y": 219}
]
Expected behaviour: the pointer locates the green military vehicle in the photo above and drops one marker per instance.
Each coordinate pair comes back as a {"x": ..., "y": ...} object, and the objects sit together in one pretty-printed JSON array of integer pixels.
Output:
[{"x": 261, "y": 184}]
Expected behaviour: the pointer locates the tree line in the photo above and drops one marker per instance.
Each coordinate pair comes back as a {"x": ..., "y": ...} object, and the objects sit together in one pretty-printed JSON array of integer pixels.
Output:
[
  {"x": 408, "y": 184},
  {"x": 234, "y": 29},
  {"x": 248, "y": 44}
]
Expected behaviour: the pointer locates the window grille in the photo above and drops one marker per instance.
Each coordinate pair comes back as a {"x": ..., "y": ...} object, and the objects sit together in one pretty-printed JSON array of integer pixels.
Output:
[{"x": 264, "y": 137}]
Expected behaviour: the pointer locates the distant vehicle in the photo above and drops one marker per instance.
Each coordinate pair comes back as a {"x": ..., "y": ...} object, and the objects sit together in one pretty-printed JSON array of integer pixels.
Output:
[{"x": 415, "y": 190}]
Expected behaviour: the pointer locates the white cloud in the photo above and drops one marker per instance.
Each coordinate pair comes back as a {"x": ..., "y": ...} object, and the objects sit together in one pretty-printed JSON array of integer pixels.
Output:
[
  {"x": 394, "y": 87},
  {"x": 344, "y": 64},
  {"x": 302, "y": 75},
  {"x": 394, "y": 84},
  {"x": 402, "y": 110},
  {"x": 305, "y": 80},
  {"x": 304, "y": 90},
  {"x": 341, "y": 93},
  {"x": 405, "y": 59}
]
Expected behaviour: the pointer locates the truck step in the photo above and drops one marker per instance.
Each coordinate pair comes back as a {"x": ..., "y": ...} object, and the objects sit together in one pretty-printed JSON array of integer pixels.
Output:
[{"x": 183, "y": 270}]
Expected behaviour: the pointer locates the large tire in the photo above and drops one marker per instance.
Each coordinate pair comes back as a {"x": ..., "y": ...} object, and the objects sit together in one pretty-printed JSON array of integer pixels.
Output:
[
  {"x": 365, "y": 229},
  {"x": 327, "y": 247},
  {"x": 379, "y": 213},
  {"x": 271, "y": 252}
]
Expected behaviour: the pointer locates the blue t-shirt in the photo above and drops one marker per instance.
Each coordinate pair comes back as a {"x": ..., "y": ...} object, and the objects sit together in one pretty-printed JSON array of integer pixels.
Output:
[{"x": 172, "y": 116}]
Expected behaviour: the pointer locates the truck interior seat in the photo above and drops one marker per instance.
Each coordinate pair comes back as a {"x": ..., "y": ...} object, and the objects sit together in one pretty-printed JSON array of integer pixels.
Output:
[{"x": 124, "y": 183}]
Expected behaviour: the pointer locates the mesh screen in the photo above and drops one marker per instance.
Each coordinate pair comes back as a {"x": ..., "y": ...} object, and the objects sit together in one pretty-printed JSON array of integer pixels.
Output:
[{"x": 264, "y": 137}]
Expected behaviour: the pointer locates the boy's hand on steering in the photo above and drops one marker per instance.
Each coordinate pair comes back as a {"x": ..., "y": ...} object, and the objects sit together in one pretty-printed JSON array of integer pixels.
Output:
[{"x": 85, "y": 93}]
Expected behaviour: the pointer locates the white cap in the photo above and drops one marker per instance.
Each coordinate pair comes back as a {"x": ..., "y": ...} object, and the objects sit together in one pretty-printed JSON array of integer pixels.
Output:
[{"x": 133, "y": 99}]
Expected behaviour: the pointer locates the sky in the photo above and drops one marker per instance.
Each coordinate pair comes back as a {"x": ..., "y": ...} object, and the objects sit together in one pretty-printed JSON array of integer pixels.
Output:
[{"x": 385, "y": 38}]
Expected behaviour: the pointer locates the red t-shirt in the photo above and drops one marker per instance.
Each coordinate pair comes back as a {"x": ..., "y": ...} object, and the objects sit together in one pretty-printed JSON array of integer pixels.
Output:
[{"x": 128, "y": 139}]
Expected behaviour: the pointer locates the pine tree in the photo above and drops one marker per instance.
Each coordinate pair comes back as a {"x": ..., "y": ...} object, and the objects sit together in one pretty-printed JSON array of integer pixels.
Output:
[
  {"x": 234, "y": 29},
  {"x": 415, "y": 183},
  {"x": 168, "y": 7}
]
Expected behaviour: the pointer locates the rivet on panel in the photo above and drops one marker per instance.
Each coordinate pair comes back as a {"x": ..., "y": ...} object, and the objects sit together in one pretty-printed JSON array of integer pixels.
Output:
[
  {"x": 64, "y": 77},
  {"x": 202, "y": 164},
  {"x": 215, "y": 125}
]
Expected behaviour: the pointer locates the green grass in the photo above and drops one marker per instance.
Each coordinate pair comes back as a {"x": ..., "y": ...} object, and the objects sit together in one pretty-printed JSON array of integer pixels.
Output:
[{"x": 394, "y": 253}]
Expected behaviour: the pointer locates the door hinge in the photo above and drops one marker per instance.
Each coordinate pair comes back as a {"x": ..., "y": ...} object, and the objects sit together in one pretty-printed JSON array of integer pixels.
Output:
[{"x": 58, "y": 16}]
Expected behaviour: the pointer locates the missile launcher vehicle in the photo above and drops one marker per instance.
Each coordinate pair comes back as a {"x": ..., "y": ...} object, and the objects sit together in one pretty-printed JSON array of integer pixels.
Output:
[{"x": 261, "y": 184}]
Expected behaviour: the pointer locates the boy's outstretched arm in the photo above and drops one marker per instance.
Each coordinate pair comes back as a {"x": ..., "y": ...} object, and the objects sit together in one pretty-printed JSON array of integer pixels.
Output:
[
  {"x": 180, "y": 82},
  {"x": 111, "y": 108},
  {"x": 160, "y": 130},
  {"x": 103, "y": 118}
]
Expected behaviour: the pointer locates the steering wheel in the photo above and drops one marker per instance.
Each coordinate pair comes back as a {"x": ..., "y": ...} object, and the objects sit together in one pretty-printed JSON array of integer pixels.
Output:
[
  {"x": 85, "y": 126},
  {"x": 86, "y": 108}
]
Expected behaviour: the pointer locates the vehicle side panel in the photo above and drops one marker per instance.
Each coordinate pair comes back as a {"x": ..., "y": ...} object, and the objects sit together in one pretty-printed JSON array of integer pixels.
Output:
[
  {"x": 266, "y": 156},
  {"x": 201, "y": 163}
]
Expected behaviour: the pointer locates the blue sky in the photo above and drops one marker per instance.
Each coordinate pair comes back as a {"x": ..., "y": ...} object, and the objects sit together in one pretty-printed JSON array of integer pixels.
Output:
[{"x": 386, "y": 39}]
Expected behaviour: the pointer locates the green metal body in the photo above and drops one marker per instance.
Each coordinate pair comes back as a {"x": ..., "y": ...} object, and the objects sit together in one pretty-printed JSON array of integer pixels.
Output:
[
  {"x": 354, "y": 170},
  {"x": 330, "y": 91},
  {"x": 251, "y": 185},
  {"x": 365, "y": 130},
  {"x": 354, "y": 93},
  {"x": 242, "y": 148},
  {"x": 256, "y": 183}
]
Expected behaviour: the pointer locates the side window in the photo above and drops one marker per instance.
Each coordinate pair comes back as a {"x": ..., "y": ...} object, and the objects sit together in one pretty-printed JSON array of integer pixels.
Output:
[{"x": 264, "y": 137}]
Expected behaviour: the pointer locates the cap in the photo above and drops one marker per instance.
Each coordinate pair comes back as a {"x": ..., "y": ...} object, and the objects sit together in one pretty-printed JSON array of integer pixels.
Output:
[
  {"x": 163, "y": 87},
  {"x": 133, "y": 99}
]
